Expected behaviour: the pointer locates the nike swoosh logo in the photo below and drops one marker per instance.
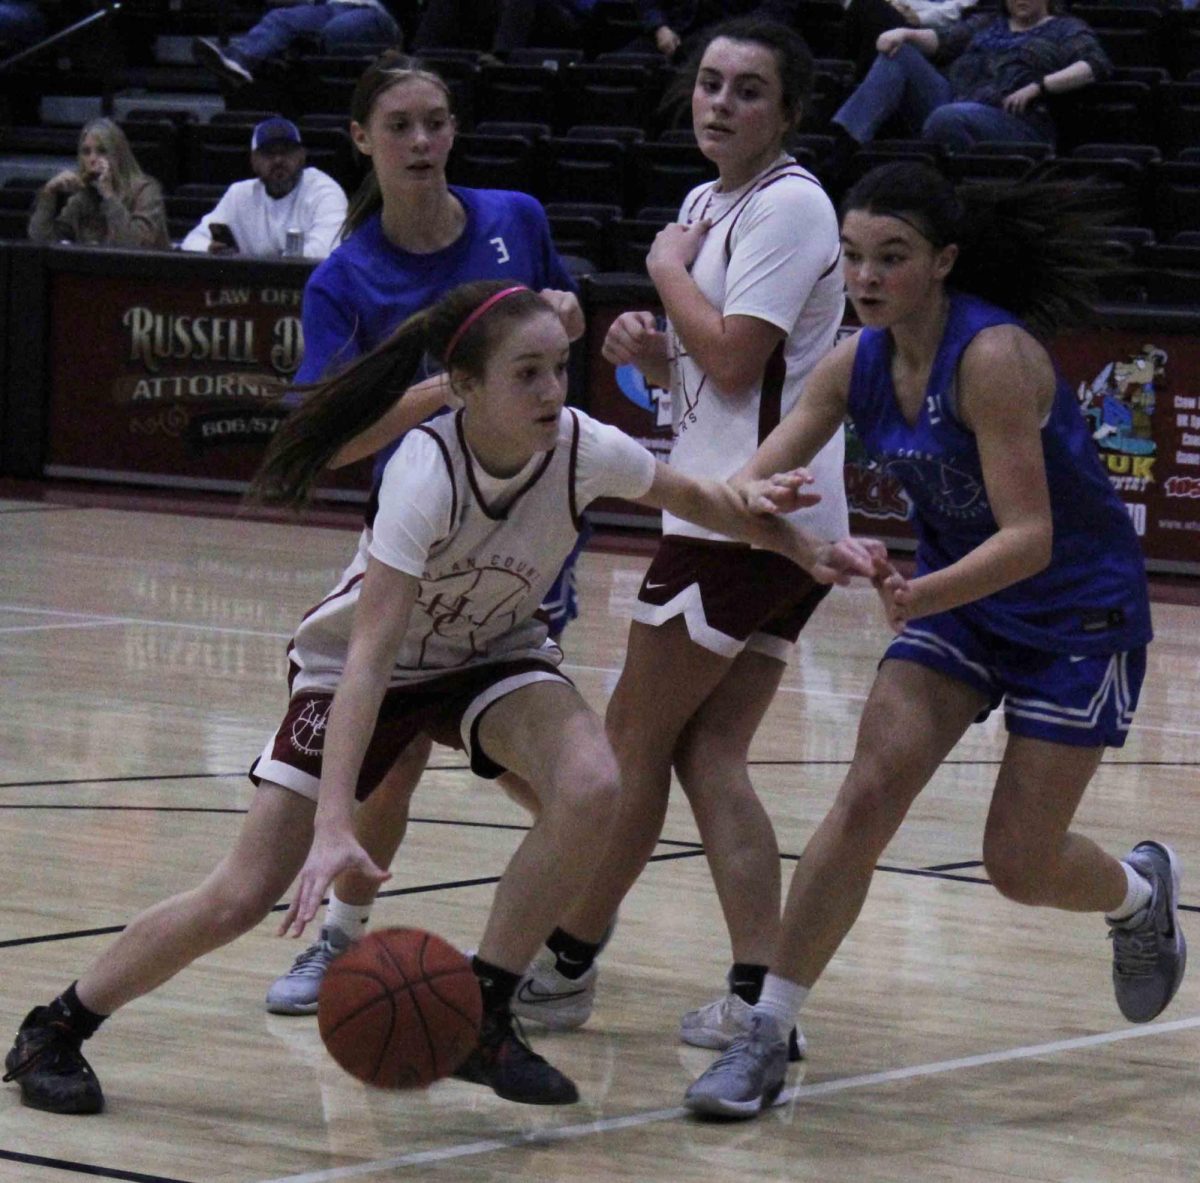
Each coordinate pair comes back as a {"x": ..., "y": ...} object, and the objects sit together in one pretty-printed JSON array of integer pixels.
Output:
[
  {"x": 528, "y": 992},
  {"x": 655, "y": 586}
]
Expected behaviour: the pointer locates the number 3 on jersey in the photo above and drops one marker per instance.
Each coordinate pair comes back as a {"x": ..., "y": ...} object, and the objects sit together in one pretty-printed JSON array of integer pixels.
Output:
[{"x": 502, "y": 255}]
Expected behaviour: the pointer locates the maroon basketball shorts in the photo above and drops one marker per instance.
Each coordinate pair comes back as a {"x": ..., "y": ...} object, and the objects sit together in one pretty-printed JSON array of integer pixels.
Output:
[
  {"x": 447, "y": 709},
  {"x": 730, "y": 596}
]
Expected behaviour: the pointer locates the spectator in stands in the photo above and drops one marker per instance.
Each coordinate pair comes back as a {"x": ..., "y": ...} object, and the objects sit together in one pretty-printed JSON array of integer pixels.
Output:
[
  {"x": 106, "y": 200},
  {"x": 284, "y": 196},
  {"x": 21, "y": 23},
  {"x": 499, "y": 26},
  {"x": 673, "y": 26},
  {"x": 867, "y": 19},
  {"x": 335, "y": 23},
  {"x": 1001, "y": 68}
]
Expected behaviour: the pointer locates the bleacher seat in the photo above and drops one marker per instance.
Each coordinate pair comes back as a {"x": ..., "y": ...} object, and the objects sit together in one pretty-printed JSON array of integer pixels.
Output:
[
  {"x": 596, "y": 131},
  {"x": 580, "y": 236},
  {"x": 527, "y": 131},
  {"x": 595, "y": 92},
  {"x": 1174, "y": 197},
  {"x": 1117, "y": 184},
  {"x": 551, "y": 57},
  {"x": 491, "y": 162},
  {"x": 628, "y": 241},
  {"x": 662, "y": 174},
  {"x": 581, "y": 169},
  {"x": 1179, "y": 116},
  {"x": 524, "y": 94}
]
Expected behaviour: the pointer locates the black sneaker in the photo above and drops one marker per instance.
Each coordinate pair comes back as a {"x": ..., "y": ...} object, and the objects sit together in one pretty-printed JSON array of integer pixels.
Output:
[
  {"x": 512, "y": 1069},
  {"x": 47, "y": 1064}
]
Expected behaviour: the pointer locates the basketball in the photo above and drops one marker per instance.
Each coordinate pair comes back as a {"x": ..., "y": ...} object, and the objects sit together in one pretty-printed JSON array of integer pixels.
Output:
[{"x": 400, "y": 1008}]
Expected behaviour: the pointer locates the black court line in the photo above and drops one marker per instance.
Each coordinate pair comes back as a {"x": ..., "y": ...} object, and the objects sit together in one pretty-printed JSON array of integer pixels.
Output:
[
  {"x": 956, "y": 866},
  {"x": 419, "y": 889},
  {"x": 37, "y": 508},
  {"x": 121, "y": 780},
  {"x": 84, "y": 1168}
]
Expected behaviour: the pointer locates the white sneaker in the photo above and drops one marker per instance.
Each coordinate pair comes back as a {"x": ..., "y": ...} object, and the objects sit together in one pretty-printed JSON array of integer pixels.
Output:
[
  {"x": 548, "y": 997},
  {"x": 719, "y": 1023},
  {"x": 295, "y": 992}
]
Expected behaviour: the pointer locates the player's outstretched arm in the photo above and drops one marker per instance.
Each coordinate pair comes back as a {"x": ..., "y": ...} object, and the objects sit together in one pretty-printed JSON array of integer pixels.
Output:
[
  {"x": 717, "y": 506},
  {"x": 381, "y": 617}
]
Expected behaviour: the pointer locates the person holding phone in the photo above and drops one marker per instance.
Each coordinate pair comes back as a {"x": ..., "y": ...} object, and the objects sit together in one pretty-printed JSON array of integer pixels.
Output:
[{"x": 254, "y": 216}]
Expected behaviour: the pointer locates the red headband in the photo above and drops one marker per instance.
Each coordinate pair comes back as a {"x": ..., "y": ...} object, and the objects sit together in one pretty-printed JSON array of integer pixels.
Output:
[{"x": 474, "y": 316}]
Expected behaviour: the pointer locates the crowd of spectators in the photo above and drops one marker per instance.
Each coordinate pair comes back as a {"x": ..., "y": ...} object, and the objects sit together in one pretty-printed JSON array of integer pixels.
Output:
[{"x": 949, "y": 73}]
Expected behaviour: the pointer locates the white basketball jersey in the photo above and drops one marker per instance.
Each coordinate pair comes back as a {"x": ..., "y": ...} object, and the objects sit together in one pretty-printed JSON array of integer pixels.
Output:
[
  {"x": 484, "y": 570},
  {"x": 773, "y": 253}
]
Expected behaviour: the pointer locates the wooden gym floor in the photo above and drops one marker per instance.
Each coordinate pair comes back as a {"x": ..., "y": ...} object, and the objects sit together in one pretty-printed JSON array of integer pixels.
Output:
[{"x": 954, "y": 1037}]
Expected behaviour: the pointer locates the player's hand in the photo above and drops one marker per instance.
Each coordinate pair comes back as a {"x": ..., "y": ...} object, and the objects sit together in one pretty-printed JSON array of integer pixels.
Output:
[
  {"x": 630, "y": 337},
  {"x": 676, "y": 245},
  {"x": 566, "y": 308},
  {"x": 216, "y": 247},
  {"x": 895, "y": 594},
  {"x": 333, "y": 851},
  {"x": 784, "y": 492},
  {"x": 839, "y": 562}
]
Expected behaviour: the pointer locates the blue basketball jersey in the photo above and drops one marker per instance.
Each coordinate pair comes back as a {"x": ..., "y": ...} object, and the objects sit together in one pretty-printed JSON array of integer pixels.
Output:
[{"x": 1092, "y": 598}]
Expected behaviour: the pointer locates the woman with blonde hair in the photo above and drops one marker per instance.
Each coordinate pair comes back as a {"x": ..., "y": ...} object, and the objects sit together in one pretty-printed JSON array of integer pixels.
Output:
[{"x": 107, "y": 200}]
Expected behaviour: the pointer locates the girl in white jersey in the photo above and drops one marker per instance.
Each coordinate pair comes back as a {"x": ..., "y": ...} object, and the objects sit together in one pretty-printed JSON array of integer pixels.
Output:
[
  {"x": 431, "y": 629},
  {"x": 750, "y": 282}
]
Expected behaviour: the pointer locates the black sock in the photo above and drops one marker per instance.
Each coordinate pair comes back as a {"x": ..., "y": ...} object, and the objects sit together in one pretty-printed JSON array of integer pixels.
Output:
[
  {"x": 572, "y": 957},
  {"x": 69, "y": 1012},
  {"x": 746, "y": 980},
  {"x": 831, "y": 169},
  {"x": 496, "y": 985}
]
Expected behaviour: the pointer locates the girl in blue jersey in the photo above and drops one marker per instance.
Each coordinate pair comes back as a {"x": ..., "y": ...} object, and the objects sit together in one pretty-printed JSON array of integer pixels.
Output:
[
  {"x": 410, "y": 239},
  {"x": 1029, "y": 587}
]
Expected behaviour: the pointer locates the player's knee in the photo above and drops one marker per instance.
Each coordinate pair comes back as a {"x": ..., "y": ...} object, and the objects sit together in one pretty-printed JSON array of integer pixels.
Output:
[
  {"x": 1016, "y": 872},
  {"x": 703, "y": 757},
  {"x": 589, "y": 786},
  {"x": 868, "y": 811},
  {"x": 234, "y": 909}
]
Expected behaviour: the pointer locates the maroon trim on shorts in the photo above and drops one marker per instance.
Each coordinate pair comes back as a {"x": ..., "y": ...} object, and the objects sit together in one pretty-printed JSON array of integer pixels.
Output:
[
  {"x": 441, "y": 443},
  {"x": 502, "y": 515},
  {"x": 572, "y": 466},
  {"x": 770, "y": 400}
]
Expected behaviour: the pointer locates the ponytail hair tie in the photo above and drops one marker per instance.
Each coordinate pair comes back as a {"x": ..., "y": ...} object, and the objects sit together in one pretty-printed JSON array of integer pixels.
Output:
[{"x": 472, "y": 317}]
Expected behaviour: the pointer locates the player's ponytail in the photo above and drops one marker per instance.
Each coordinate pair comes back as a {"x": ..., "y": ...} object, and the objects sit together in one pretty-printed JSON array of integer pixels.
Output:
[
  {"x": 465, "y": 324},
  {"x": 333, "y": 412},
  {"x": 1035, "y": 249}
]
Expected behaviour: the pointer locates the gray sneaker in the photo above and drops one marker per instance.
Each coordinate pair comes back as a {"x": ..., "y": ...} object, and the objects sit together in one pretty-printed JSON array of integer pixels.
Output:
[
  {"x": 747, "y": 1079},
  {"x": 551, "y": 998},
  {"x": 719, "y": 1023},
  {"x": 295, "y": 993},
  {"x": 1149, "y": 952}
]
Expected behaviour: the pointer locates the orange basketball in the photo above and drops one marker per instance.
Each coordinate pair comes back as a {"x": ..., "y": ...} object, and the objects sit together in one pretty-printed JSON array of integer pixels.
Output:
[{"x": 400, "y": 1008}]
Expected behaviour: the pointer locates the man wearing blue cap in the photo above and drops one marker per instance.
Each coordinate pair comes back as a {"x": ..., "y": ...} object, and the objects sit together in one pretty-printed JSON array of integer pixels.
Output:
[
  {"x": 335, "y": 23},
  {"x": 286, "y": 209}
]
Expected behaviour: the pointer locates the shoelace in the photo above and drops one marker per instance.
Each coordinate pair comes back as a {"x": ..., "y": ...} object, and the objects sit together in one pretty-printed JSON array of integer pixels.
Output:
[
  {"x": 1136, "y": 952},
  {"x": 49, "y": 1047},
  {"x": 314, "y": 960}
]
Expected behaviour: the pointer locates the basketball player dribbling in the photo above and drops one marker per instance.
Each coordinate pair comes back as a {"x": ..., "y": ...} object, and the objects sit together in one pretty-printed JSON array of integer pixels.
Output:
[{"x": 432, "y": 628}]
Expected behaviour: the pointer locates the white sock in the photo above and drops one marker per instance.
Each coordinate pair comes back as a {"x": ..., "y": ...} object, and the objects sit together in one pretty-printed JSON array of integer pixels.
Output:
[
  {"x": 1137, "y": 895},
  {"x": 349, "y": 918},
  {"x": 782, "y": 1000}
]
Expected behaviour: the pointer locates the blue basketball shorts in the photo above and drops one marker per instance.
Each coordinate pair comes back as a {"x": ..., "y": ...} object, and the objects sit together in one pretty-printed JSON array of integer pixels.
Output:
[{"x": 1084, "y": 701}]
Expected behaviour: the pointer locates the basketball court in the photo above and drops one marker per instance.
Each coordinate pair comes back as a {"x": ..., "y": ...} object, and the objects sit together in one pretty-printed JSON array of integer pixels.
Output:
[{"x": 956, "y": 1036}]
